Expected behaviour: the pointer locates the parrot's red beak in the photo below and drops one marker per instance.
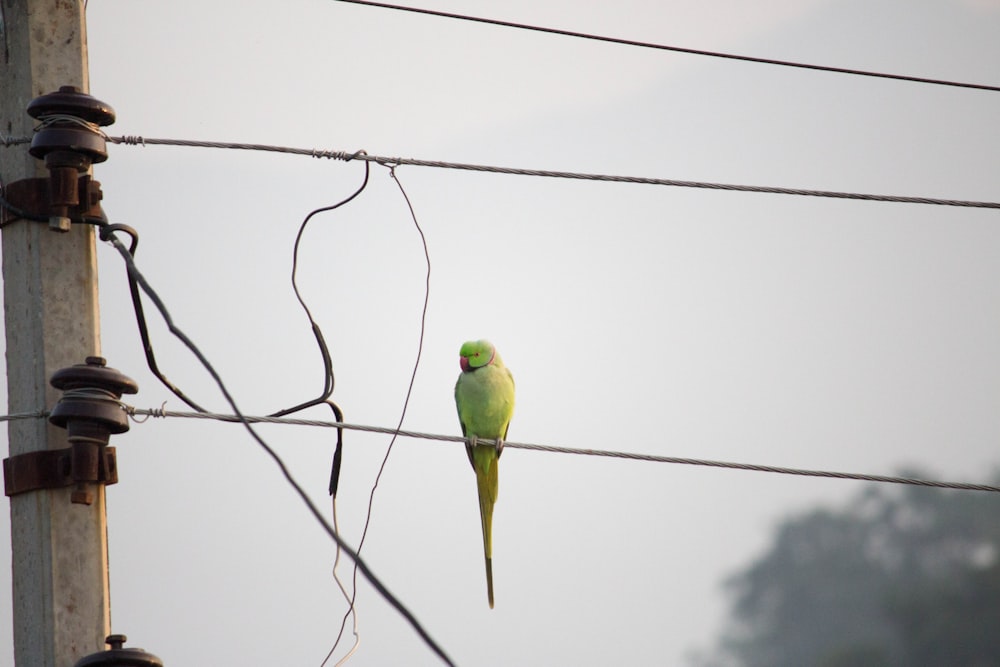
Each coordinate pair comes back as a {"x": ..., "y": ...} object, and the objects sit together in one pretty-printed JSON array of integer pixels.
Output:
[{"x": 464, "y": 363}]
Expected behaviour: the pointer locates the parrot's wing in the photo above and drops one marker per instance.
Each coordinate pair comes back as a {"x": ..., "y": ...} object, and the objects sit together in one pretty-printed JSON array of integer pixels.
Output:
[
  {"x": 465, "y": 431},
  {"x": 468, "y": 448}
]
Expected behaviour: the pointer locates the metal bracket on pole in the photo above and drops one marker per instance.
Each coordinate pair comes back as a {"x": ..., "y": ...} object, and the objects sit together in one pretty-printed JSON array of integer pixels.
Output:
[
  {"x": 69, "y": 138},
  {"x": 34, "y": 196},
  {"x": 56, "y": 468},
  {"x": 90, "y": 410}
]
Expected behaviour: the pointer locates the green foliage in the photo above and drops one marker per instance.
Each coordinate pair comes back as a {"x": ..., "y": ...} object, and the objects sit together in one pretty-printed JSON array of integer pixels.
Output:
[{"x": 902, "y": 576}]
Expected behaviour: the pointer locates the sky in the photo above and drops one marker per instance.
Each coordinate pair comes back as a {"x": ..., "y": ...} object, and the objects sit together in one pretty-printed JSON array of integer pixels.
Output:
[{"x": 756, "y": 328}]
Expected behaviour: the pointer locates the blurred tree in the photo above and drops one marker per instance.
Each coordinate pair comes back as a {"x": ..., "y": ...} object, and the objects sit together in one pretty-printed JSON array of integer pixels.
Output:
[{"x": 902, "y": 576}]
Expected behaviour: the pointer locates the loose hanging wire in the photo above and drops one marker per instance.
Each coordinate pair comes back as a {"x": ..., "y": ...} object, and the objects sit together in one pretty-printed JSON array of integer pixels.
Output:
[
  {"x": 328, "y": 375},
  {"x": 324, "y": 397},
  {"x": 108, "y": 234},
  {"x": 399, "y": 425},
  {"x": 349, "y": 597},
  {"x": 328, "y": 382}
]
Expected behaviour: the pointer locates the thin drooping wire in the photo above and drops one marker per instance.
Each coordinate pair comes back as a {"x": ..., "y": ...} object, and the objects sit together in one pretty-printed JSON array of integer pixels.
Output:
[
  {"x": 406, "y": 403},
  {"x": 329, "y": 383},
  {"x": 349, "y": 597},
  {"x": 649, "y": 458},
  {"x": 639, "y": 180},
  {"x": 328, "y": 377},
  {"x": 109, "y": 235},
  {"x": 324, "y": 350},
  {"x": 675, "y": 49}
]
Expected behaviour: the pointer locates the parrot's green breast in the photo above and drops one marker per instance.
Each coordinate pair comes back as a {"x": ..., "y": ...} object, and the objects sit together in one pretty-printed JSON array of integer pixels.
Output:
[{"x": 485, "y": 400}]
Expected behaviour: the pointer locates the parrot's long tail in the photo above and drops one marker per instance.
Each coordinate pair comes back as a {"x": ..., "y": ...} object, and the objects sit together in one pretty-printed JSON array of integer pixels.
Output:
[
  {"x": 489, "y": 580},
  {"x": 487, "y": 483}
]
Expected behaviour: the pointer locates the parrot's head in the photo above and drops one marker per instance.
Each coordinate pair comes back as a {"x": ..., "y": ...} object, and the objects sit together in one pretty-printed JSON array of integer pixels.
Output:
[{"x": 476, "y": 354}]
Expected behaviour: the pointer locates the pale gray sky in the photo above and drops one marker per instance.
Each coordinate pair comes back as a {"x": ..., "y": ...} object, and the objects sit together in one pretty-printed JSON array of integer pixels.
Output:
[{"x": 756, "y": 328}]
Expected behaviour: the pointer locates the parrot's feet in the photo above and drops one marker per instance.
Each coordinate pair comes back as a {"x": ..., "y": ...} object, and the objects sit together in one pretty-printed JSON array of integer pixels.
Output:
[{"x": 498, "y": 443}]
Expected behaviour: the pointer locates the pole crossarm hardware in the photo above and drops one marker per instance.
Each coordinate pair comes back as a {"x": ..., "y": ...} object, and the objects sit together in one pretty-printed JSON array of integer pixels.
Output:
[
  {"x": 69, "y": 140},
  {"x": 89, "y": 411},
  {"x": 56, "y": 468}
]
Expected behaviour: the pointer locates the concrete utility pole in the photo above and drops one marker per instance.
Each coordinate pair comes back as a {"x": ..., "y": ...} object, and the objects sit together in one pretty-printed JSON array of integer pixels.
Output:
[{"x": 60, "y": 570}]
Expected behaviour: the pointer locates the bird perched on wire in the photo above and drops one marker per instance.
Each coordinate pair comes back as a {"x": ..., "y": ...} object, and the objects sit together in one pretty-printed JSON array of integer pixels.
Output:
[{"x": 484, "y": 395}]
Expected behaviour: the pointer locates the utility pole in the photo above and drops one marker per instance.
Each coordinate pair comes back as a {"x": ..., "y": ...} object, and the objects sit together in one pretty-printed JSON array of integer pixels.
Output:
[{"x": 60, "y": 568}]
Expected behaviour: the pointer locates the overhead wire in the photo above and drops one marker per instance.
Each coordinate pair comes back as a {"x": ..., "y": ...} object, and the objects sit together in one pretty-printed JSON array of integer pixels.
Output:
[
  {"x": 603, "y": 453},
  {"x": 675, "y": 49},
  {"x": 551, "y": 449},
  {"x": 547, "y": 173},
  {"x": 135, "y": 140}
]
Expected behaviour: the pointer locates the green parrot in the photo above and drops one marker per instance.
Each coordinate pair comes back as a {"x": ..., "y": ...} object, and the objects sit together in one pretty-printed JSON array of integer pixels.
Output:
[{"x": 484, "y": 395}]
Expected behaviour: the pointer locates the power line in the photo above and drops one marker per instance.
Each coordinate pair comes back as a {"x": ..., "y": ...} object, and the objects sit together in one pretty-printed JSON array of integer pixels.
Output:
[
  {"x": 675, "y": 49},
  {"x": 134, "y": 140},
  {"x": 399, "y": 161},
  {"x": 649, "y": 458}
]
